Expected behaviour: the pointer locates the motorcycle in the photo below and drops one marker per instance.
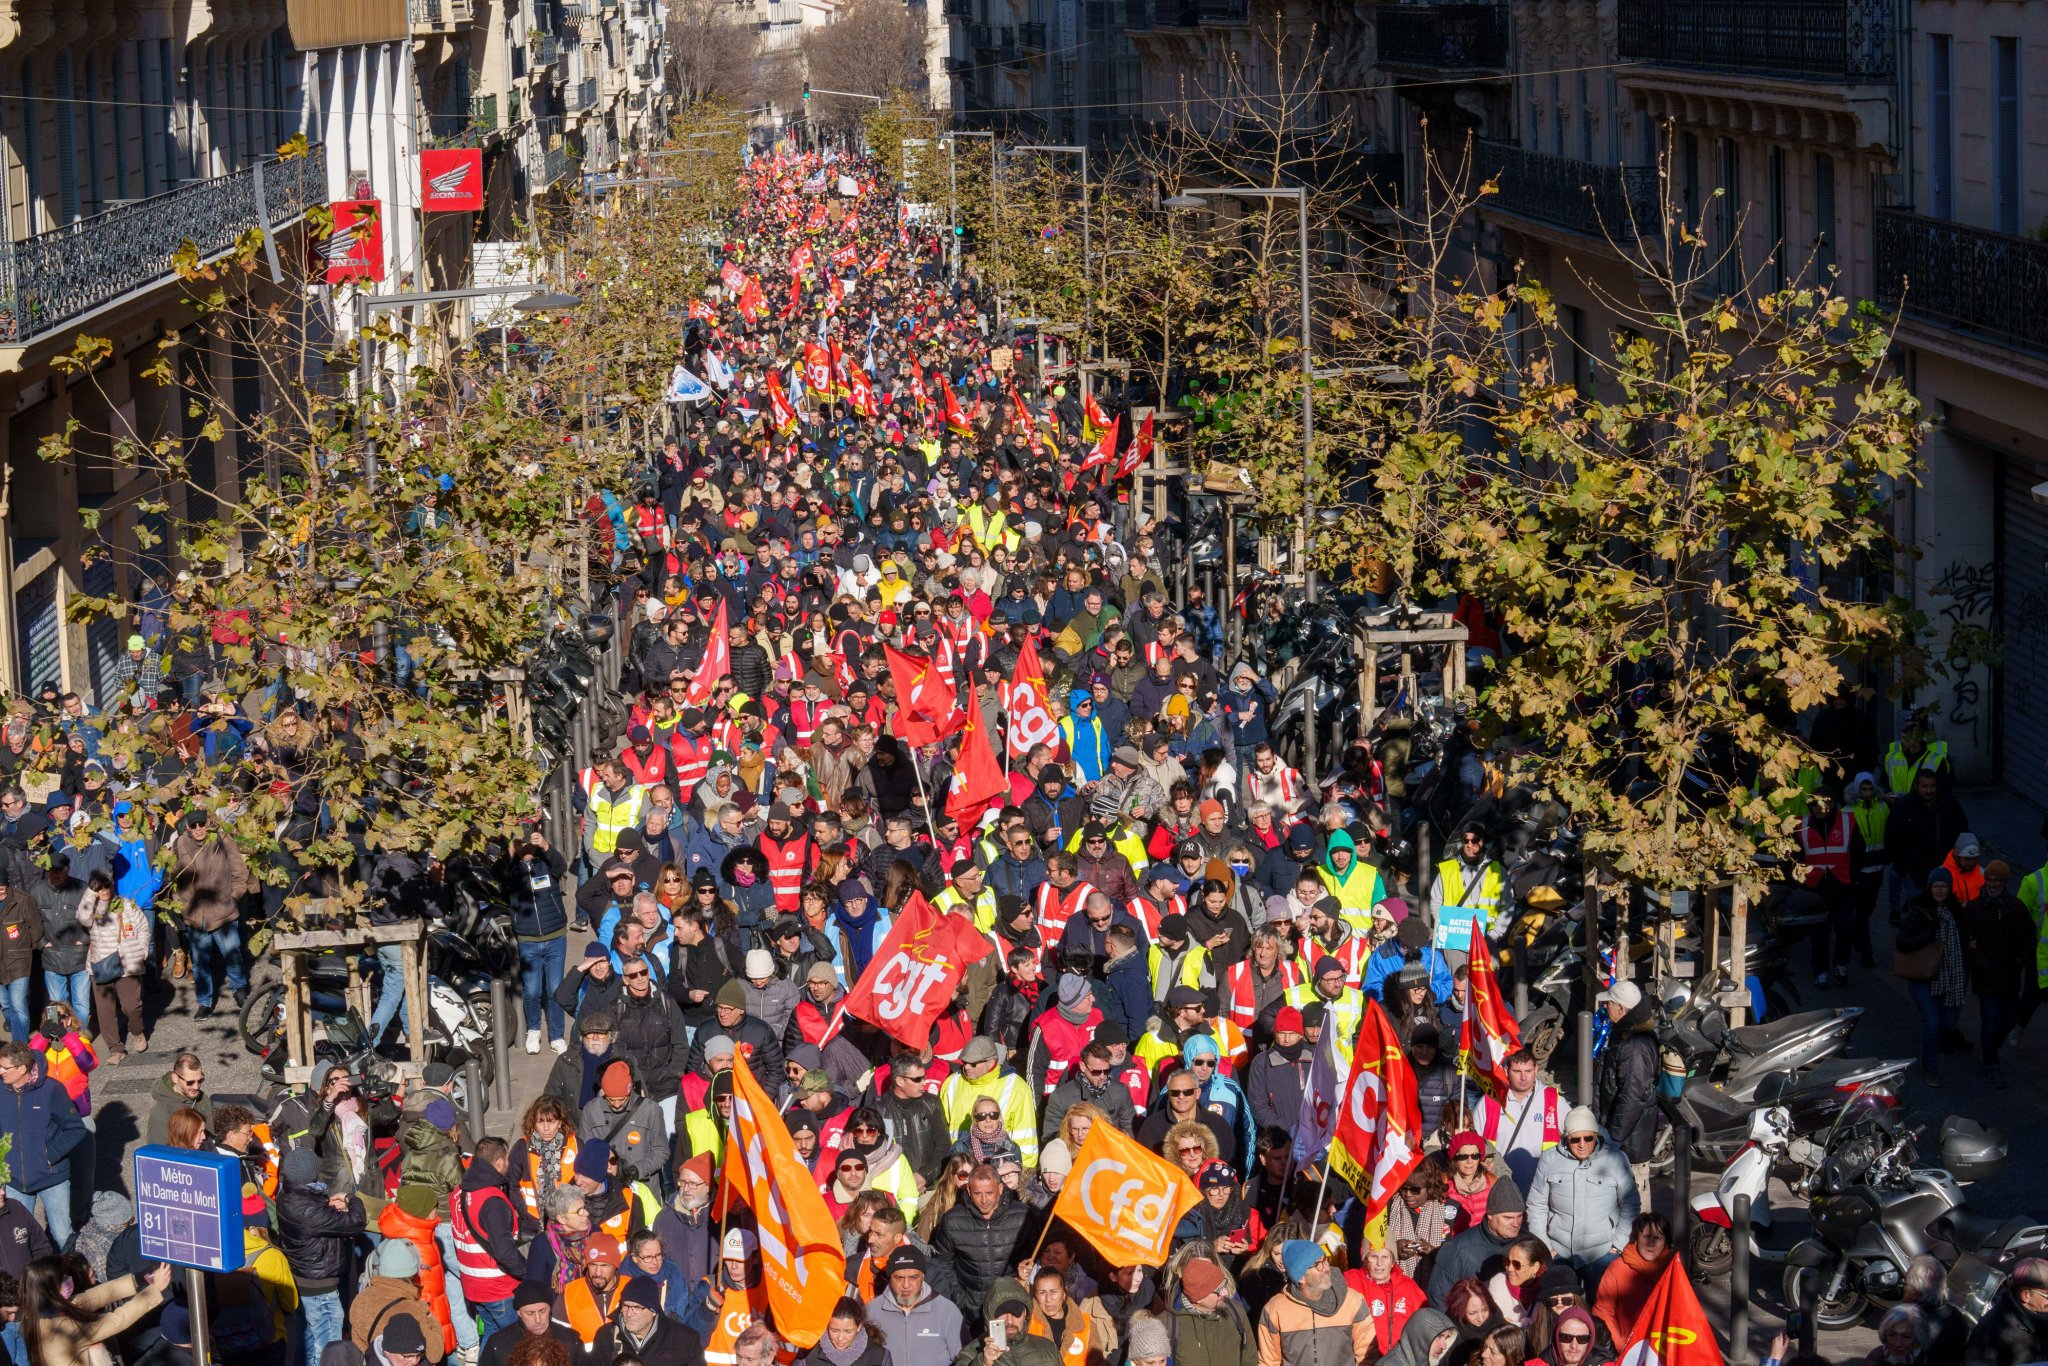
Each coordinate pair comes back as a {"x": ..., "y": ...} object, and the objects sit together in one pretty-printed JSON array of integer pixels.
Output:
[
  {"x": 1874, "y": 1210},
  {"x": 1792, "y": 1148}
]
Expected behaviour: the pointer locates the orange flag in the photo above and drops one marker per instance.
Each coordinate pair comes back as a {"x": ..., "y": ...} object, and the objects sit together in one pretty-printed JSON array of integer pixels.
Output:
[
  {"x": 1379, "y": 1124},
  {"x": 1124, "y": 1199},
  {"x": 1672, "y": 1330},
  {"x": 801, "y": 1262}
]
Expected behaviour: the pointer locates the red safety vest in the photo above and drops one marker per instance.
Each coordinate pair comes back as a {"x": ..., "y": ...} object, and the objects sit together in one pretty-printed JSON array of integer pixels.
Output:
[
  {"x": 648, "y": 770},
  {"x": 1352, "y": 953},
  {"x": 692, "y": 761},
  {"x": 1056, "y": 908},
  {"x": 1239, "y": 997},
  {"x": 789, "y": 864},
  {"x": 1149, "y": 915},
  {"x": 1826, "y": 852},
  {"x": 483, "y": 1280},
  {"x": 1063, "y": 1042}
]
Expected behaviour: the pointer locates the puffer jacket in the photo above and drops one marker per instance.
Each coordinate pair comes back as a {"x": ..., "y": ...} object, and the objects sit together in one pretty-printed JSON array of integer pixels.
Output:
[
  {"x": 772, "y": 1004},
  {"x": 652, "y": 1037},
  {"x": 1583, "y": 1209},
  {"x": 431, "y": 1159},
  {"x": 394, "y": 1222},
  {"x": 1224, "y": 1338},
  {"x": 1627, "y": 1090},
  {"x": 209, "y": 878},
  {"x": 317, "y": 1238},
  {"x": 119, "y": 928},
  {"x": 981, "y": 1249},
  {"x": 637, "y": 1134}
]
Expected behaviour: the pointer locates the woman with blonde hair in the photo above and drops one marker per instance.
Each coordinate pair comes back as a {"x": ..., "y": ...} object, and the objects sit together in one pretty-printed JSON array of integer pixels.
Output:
[
  {"x": 1076, "y": 1122},
  {"x": 1191, "y": 1145},
  {"x": 944, "y": 1194}
]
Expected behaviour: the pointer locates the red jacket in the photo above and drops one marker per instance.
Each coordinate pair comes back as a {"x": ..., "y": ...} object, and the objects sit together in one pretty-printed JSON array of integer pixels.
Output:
[{"x": 1390, "y": 1304}]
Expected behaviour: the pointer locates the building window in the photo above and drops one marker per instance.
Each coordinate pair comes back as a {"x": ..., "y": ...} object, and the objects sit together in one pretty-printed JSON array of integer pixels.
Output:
[
  {"x": 1727, "y": 217},
  {"x": 1824, "y": 215},
  {"x": 1941, "y": 169},
  {"x": 2005, "y": 91},
  {"x": 1585, "y": 117},
  {"x": 1557, "y": 114}
]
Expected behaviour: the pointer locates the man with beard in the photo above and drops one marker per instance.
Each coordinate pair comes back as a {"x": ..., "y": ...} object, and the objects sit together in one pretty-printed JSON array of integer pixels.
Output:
[
  {"x": 1095, "y": 1082},
  {"x": 687, "y": 1231}
]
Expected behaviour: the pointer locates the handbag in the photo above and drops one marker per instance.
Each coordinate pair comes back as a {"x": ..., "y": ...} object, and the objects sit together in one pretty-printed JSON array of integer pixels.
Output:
[
  {"x": 1918, "y": 965},
  {"x": 107, "y": 971}
]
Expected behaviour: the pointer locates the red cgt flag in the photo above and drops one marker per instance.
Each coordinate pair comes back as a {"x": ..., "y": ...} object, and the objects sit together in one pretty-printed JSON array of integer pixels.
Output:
[
  {"x": 978, "y": 781},
  {"x": 1027, "y": 719},
  {"x": 717, "y": 662},
  {"x": 800, "y": 260},
  {"x": 1140, "y": 451},
  {"x": 911, "y": 979},
  {"x": 924, "y": 704},
  {"x": 860, "y": 391},
  {"x": 818, "y": 370},
  {"x": 1378, "y": 1141},
  {"x": 955, "y": 418},
  {"x": 1489, "y": 1032},
  {"x": 1672, "y": 1330},
  {"x": 1023, "y": 413},
  {"x": 781, "y": 412}
]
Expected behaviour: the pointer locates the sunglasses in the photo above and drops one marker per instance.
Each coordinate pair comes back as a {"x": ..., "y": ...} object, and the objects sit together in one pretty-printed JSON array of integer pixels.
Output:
[
  {"x": 1203, "y": 1062},
  {"x": 1575, "y": 1338},
  {"x": 630, "y": 976},
  {"x": 1180, "y": 1090},
  {"x": 1577, "y": 1139},
  {"x": 865, "y": 1129},
  {"x": 1095, "y": 1073},
  {"x": 1465, "y": 1157},
  {"x": 986, "y": 1114},
  {"x": 1190, "y": 1152}
]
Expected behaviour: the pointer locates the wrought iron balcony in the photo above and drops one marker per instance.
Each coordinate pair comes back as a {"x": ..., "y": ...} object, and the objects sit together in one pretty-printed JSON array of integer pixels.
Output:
[
  {"x": 55, "y": 277},
  {"x": 1031, "y": 37},
  {"x": 1617, "y": 202},
  {"x": 1966, "y": 279},
  {"x": 1444, "y": 37},
  {"x": 547, "y": 50},
  {"x": 581, "y": 96},
  {"x": 1224, "y": 12},
  {"x": 483, "y": 111},
  {"x": 1824, "y": 40}
]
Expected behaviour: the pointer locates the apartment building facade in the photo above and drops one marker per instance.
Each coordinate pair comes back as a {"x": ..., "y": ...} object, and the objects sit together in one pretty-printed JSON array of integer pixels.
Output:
[{"x": 127, "y": 129}]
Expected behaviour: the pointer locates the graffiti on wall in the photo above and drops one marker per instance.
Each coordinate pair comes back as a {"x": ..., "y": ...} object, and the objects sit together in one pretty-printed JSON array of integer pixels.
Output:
[{"x": 1969, "y": 593}]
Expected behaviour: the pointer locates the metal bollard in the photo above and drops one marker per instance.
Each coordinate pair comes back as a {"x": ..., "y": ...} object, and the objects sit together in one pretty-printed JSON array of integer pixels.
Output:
[
  {"x": 1521, "y": 987},
  {"x": 1681, "y": 1182},
  {"x": 1586, "y": 1058},
  {"x": 473, "y": 1093},
  {"x": 1738, "y": 1282},
  {"x": 501, "y": 1041}
]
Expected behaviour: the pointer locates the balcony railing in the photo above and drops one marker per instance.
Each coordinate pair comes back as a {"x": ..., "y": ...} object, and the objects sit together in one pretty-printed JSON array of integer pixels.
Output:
[
  {"x": 581, "y": 96},
  {"x": 959, "y": 9},
  {"x": 1617, "y": 202},
  {"x": 1967, "y": 279},
  {"x": 547, "y": 50},
  {"x": 483, "y": 111},
  {"x": 1031, "y": 37},
  {"x": 57, "y": 276},
  {"x": 1825, "y": 40},
  {"x": 1444, "y": 37}
]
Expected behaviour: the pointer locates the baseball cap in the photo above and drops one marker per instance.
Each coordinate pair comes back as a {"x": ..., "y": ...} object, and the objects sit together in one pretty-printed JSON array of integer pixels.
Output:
[
  {"x": 1627, "y": 995},
  {"x": 739, "y": 1244},
  {"x": 904, "y": 1258}
]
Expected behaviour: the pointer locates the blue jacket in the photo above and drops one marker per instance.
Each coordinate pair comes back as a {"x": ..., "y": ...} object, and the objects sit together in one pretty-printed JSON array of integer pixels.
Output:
[
  {"x": 708, "y": 848},
  {"x": 1127, "y": 993},
  {"x": 1387, "y": 960},
  {"x": 44, "y": 1124},
  {"x": 1246, "y": 710}
]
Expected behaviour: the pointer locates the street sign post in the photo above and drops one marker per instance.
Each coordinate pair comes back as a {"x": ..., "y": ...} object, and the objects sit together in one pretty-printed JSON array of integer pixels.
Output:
[{"x": 188, "y": 1212}]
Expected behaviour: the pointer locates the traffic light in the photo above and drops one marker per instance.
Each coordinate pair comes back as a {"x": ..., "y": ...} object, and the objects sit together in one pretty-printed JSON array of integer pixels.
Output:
[{"x": 807, "y": 89}]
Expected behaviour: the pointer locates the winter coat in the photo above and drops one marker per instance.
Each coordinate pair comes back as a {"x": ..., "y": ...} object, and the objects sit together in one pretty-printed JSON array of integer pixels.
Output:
[
  {"x": 930, "y": 1330},
  {"x": 21, "y": 931},
  {"x": 1477, "y": 1252},
  {"x": 704, "y": 967},
  {"x": 1007, "y": 1018},
  {"x": 1625, "y": 1287},
  {"x": 918, "y": 1126},
  {"x": 1224, "y": 1338},
  {"x": 209, "y": 878},
  {"x": 538, "y": 912},
  {"x": 120, "y": 927},
  {"x": 318, "y": 1240},
  {"x": 431, "y": 1159},
  {"x": 44, "y": 1124},
  {"x": 2008, "y": 1334},
  {"x": 652, "y": 1037},
  {"x": 1295, "y": 1331},
  {"x": 1582, "y": 1207},
  {"x": 1127, "y": 993},
  {"x": 1273, "y": 1084},
  {"x": 67, "y": 939},
  {"x": 126, "y": 1302},
  {"x": 394, "y": 1222},
  {"x": 762, "y": 1049},
  {"x": 1626, "y": 1096},
  {"x": 772, "y": 1004},
  {"x": 1112, "y": 1097},
  {"x": 637, "y": 1134},
  {"x": 165, "y": 1101},
  {"x": 382, "y": 1298},
  {"x": 1999, "y": 941},
  {"x": 981, "y": 1249},
  {"x": 670, "y": 1343}
]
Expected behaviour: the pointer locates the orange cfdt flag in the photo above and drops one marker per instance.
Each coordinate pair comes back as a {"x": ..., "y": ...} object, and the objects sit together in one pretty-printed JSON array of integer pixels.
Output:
[
  {"x": 1124, "y": 1199},
  {"x": 802, "y": 1265}
]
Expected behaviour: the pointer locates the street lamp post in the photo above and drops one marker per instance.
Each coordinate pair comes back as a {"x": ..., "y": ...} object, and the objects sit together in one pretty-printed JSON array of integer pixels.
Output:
[{"x": 1196, "y": 199}]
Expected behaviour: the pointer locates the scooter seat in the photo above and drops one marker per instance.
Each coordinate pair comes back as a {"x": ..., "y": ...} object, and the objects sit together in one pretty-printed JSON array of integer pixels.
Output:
[
  {"x": 1757, "y": 1040},
  {"x": 1967, "y": 1230}
]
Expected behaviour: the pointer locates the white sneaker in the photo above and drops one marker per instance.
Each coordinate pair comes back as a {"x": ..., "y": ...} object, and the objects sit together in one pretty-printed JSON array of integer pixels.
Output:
[
  {"x": 533, "y": 1041},
  {"x": 468, "y": 1355},
  {"x": 560, "y": 1045}
]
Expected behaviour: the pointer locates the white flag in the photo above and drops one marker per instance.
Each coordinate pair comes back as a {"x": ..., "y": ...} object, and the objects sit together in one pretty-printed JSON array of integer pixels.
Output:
[
  {"x": 717, "y": 371},
  {"x": 684, "y": 387},
  {"x": 1319, "y": 1098}
]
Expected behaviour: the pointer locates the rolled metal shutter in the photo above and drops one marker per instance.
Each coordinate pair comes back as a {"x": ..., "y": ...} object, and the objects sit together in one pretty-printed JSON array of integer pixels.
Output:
[
  {"x": 38, "y": 631},
  {"x": 102, "y": 633},
  {"x": 2022, "y": 735}
]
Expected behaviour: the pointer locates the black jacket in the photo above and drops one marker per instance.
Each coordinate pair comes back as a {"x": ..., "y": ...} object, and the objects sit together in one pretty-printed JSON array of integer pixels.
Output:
[
  {"x": 497, "y": 1348},
  {"x": 537, "y": 912},
  {"x": 1627, "y": 1092},
  {"x": 1273, "y": 1085},
  {"x": 317, "y": 1238},
  {"x": 979, "y": 1249},
  {"x": 752, "y": 670},
  {"x": 1007, "y": 1018},
  {"x": 652, "y": 1037},
  {"x": 2008, "y": 1335},
  {"x": 763, "y": 1050},
  {"x": 701, "y": 967},
  {"x": 673, "y": 1343},
  {"x": 1476, "y": 1252},
  {"x": 919, "y": 1127},
  {"x": 1918, "y": 836}
]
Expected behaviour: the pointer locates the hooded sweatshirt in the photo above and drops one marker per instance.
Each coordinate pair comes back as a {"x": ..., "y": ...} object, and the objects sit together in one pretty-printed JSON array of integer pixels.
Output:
[{"x": 1358, "y": 887}]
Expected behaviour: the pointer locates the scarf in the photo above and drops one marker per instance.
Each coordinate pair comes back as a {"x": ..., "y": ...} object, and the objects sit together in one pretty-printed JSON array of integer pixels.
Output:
[
  {"x": 568, "y": 1256},
  {"x": 1028, "y": 990},
  {"x": 550, "y": 1155},
  {"x": 1219, "y": 1223},
  {"x": 853, "y": 1351},
  {"x": 1072, "y": 1016},
  {"x": 94, "y": 1242},
  {"x": 988, "y": 1150}
]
